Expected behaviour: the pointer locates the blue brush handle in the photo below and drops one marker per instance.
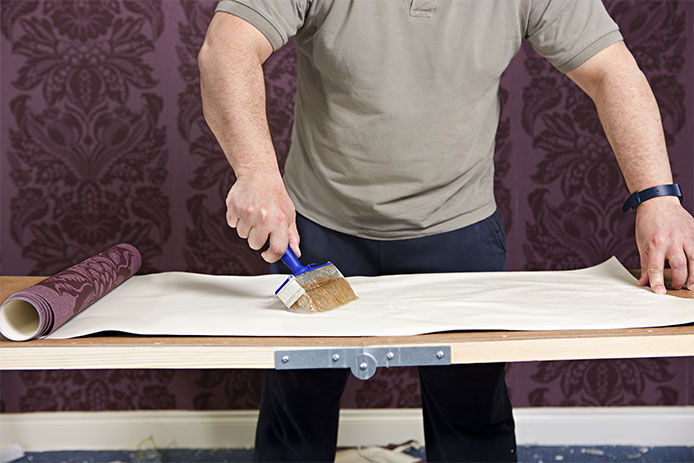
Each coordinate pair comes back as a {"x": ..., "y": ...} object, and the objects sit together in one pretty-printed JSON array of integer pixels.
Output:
[{"x": 292, "y": 262}]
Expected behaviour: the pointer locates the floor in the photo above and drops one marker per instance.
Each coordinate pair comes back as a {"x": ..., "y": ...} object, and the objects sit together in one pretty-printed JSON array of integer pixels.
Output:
[{"x": 534, "y": 454}]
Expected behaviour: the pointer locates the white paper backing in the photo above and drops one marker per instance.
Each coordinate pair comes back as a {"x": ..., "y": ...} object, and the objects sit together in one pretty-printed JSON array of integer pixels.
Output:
[{"x": 176, "y": 303}]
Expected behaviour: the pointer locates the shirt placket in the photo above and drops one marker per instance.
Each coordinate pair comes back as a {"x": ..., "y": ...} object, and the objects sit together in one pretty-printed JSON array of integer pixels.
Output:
[{"x": 423, "y": 8}]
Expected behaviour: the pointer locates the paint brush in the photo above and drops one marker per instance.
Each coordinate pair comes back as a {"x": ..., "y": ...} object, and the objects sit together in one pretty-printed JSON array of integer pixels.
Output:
[{"x": 313, "y": 288}]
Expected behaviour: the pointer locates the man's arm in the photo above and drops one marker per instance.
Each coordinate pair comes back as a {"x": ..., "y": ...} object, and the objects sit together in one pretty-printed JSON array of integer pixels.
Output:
[
  {"x": 233, "y": 101},
  {"x": 629, "y": 114}
]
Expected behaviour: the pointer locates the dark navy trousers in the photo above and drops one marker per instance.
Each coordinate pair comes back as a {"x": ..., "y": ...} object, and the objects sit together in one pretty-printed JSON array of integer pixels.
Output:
[{"x": 467, "y": 412}]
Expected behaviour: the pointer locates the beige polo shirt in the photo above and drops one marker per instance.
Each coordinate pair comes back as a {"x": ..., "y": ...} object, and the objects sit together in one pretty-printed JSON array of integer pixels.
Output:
[{"x": 397, "y": 101}]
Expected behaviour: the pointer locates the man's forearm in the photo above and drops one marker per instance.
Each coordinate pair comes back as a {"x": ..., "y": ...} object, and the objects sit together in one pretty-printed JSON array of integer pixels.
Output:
[
  {"x": 630, "y": 117},
  {"x": 233, "y": 98},
  {"x": 631, "y": 120}
]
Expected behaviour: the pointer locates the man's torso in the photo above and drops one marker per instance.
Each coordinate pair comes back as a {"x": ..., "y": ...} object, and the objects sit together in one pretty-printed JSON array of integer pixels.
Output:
[{"x": 397, "y": 104}]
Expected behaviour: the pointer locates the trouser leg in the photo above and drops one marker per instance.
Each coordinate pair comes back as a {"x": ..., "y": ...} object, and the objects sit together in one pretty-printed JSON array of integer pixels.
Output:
[
  {"x": 467, "y": 413},
  {"x": 299, "y": 415}
]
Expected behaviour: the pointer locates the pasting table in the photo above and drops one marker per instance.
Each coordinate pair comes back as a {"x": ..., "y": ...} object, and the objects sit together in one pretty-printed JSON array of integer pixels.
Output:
[{"x": 361, "y": 354}]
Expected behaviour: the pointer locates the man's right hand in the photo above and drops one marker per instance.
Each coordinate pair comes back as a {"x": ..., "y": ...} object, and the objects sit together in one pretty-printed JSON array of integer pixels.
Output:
[{"x": 259, "y": 208}]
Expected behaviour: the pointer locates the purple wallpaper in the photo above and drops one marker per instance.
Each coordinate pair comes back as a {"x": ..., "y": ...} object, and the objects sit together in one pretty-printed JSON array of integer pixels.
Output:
[
  {"x": 103, "y": 141},
  {"x": 60, "y": 297}
]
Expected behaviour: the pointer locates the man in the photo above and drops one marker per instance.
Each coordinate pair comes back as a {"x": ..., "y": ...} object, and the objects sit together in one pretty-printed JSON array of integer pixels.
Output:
[{"x": 391, "y": 170}]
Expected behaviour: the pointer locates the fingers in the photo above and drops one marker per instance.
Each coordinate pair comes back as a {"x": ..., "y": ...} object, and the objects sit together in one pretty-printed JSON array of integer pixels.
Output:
[
  {"x": 294, "y": 238},
  {"x": 260, "y": 210},
  {"x": 678, "y": 265},
  {"x": 232, "y": 219},
  {"x": 690, "y": 266},
  {"x": 681, "y": 264},
  {"x": 643, "y": 279},
  {"x": 243, "y": 228},
  {"x": 655, "y": 262},
  {"x": 665, "y": 231},
  {"x": 247, "y": 221},
  {"x": 232, "y": 215},
  {"x": 278, "y": 245},
  {"x": 280, "y": 239},
  {"x": 257, "y": 237},
  {"x": 259, "y": 230}
]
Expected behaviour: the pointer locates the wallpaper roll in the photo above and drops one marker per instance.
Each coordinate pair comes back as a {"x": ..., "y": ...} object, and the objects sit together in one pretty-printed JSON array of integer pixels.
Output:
[{"x": 41, "y": 309}]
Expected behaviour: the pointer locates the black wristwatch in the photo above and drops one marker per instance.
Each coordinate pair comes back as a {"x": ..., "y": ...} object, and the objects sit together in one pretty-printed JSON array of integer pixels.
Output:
[{"x": 638, "y": 197}]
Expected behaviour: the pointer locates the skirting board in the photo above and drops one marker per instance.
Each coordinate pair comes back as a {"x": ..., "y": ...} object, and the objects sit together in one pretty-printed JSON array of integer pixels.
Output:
[{"x": 643, "y": 426}]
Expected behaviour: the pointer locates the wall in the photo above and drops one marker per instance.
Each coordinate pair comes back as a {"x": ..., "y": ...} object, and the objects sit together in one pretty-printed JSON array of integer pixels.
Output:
[{"x": 103, "y": 141}]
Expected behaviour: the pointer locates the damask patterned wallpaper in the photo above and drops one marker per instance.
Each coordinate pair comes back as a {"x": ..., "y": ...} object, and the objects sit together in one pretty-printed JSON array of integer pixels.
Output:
[{"x": 103, "y": 141}]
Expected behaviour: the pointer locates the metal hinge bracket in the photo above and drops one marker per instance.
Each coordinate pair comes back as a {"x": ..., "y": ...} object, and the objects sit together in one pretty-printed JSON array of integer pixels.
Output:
[{"x": 362, "y": 361}]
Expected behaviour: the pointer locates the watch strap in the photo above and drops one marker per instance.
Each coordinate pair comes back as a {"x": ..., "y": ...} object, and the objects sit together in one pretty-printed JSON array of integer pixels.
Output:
[{"x": 638, "y": 197}]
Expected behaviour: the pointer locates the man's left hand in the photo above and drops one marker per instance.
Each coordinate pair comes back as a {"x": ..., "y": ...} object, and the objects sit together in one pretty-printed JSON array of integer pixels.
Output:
[{"x": 665, "y": 230}]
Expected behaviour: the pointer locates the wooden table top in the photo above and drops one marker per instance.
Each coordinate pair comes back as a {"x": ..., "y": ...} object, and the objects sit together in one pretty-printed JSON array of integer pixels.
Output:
[{"x": 131, "y": 351}]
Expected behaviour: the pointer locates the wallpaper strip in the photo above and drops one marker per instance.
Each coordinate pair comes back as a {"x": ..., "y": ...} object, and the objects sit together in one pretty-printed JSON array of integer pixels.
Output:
[{"x": 46, "y": 306}]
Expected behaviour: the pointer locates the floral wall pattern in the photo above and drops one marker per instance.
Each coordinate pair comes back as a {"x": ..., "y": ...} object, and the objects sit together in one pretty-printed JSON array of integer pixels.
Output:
[
  {"x": 584, "y": 224},
  {"x": 87, "y": 153},
  {"x": 103, "y": 140}
]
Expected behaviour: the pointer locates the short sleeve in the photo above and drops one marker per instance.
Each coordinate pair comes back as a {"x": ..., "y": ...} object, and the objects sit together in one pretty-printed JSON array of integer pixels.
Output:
[
  {"x": 277, "y": 20},
  {"x": 569, "y": 32}
]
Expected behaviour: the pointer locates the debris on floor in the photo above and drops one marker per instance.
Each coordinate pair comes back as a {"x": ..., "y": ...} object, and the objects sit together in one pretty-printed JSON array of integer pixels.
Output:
[
  {"x": 397, "y": 453},
  {"x": 10, "y": 452},
  {"x": 409, "y": 452}
]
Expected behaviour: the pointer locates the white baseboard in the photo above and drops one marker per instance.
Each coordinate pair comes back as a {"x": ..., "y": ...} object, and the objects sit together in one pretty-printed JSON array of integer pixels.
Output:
[{"x": 643, "y": 426}]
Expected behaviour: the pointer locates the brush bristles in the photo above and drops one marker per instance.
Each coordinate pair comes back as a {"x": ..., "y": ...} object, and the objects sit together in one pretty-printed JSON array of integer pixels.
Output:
[{"x": 326, "y": 289}]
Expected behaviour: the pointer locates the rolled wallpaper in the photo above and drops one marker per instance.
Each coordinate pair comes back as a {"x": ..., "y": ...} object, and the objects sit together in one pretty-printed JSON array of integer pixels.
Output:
[{"x": 41, "y": 309}]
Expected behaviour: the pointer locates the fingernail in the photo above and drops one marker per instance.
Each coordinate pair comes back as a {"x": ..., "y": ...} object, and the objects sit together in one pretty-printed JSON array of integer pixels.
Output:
[
  {"x": 691, "y": 287},
  {"x": 660, "y": 289}
]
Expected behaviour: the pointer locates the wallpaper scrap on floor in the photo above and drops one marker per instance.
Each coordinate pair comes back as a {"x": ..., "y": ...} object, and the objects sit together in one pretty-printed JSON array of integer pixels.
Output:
[{"x": 103, "y": 141}]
